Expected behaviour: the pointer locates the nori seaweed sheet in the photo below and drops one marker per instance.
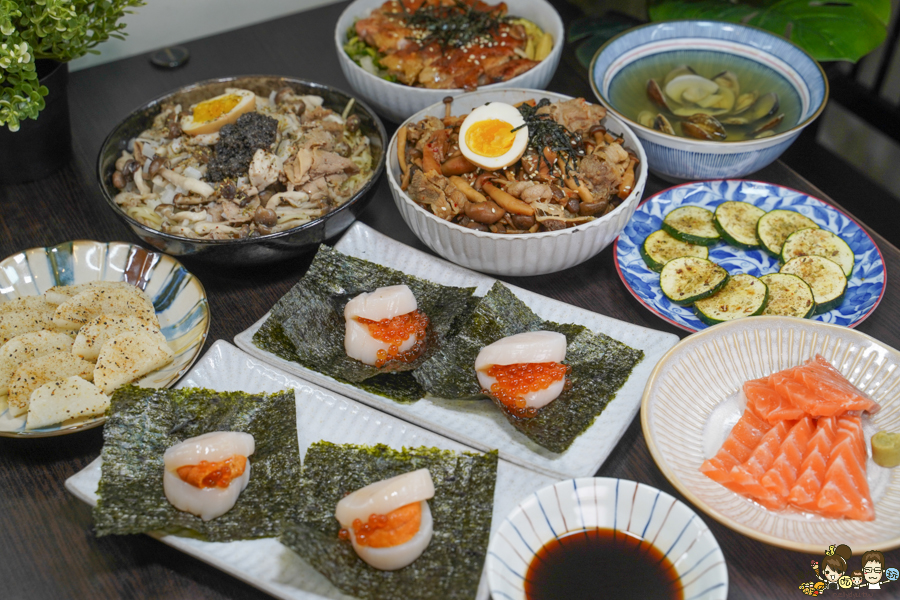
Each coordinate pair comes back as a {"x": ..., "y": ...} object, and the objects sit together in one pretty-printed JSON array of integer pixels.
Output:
[
  {"x": 400, "y": 387},
  {"x": 599, "y": 366},
  {"x": 451, "y": 566},
  {"x": 312, "y": 312},
  {"x": 143, "y": 423}
]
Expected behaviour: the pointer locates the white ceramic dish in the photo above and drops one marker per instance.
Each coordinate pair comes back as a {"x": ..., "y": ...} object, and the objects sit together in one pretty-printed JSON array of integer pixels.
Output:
[
  {"x": 396, "y": 102},
  {"x": 178, "y": 296},
  {"x": 691, "y": 402},
  {"x": 321, "y": 415},
  {"x": 603, "y": 503},
  {"x": 514, "y": 255},
  {"x": 478, "y": 423}
]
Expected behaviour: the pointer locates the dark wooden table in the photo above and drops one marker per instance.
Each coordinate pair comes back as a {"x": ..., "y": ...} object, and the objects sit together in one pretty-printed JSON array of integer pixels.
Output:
[{"x": 47, "y": 547}]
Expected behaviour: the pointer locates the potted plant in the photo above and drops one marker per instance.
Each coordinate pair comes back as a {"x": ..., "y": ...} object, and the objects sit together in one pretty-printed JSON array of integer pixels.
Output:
[{"x": 39, "y": 38}]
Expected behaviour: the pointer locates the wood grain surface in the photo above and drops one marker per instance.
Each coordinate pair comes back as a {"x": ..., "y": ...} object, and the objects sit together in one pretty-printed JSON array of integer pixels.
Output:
[{"x": 47, "y": 548}]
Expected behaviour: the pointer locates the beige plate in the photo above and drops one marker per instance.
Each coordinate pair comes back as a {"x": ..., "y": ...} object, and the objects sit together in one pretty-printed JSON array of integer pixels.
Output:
[{"x": 691, "y": 402}]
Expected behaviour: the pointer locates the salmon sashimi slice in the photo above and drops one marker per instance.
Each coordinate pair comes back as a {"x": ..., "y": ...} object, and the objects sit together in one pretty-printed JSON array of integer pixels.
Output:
[
  {"x": 812, "y": 470},
  {"x": 836, "y": 394},
  {"x": 769, "y": 403},
  {"x": 738, "y": 447},
  {"x": 845, "y": 492},
  {"x": 748, "y": 474},
  {"x": 778, "y": 480}
]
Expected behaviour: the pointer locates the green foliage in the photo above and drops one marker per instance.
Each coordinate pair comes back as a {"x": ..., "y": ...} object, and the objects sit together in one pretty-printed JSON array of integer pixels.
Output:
[
  {"x": 60, "y": 30},
  {"x": 840, "y": 30}
]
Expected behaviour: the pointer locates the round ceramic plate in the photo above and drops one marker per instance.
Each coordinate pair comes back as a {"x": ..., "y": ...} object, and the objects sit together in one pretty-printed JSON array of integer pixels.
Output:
[
  {"x": 178, "y": 297},
  {"x": 864, "y": 288},
  {"x": 691, "y": 402},
  {"x": 590, "y": 503}
]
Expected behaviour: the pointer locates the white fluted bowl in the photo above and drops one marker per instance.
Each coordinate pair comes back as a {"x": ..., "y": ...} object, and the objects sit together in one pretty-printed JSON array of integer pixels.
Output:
[
  {"x": 515, "y": 255},
  {"x": 576, "y": 505},
  {"x": 396, "y": 101}
]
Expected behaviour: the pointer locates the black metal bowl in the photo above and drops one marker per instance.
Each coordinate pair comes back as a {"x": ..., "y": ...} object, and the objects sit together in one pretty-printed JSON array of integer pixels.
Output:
[{"x": 265, "y": 248}]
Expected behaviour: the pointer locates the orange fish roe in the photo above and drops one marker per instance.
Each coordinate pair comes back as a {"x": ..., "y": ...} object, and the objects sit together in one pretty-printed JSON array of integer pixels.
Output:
[
  {"x": 386, "y": 531},
  {"x": 213, "y": 474},
  {"x": 396, "y": 331},
  {"x": 517, "y": 380}
]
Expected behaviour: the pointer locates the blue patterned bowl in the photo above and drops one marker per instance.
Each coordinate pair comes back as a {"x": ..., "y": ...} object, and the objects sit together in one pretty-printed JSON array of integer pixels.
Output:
[
  {"x": 178, "y": 297},
  {"x": 576, "y": 506},
  {"x": 675, "y": 157}
]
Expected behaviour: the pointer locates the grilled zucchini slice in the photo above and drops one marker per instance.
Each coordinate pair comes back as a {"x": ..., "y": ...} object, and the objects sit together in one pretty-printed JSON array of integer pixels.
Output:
[
  {"x": 686, "y": 279},
  {"x": 774, "y": 227},
  {"x": 736, "y": 223},
  {"x": 660, "y": 247},
  {"x": 825, "y": 278},
  {"x": 789, "y": 296},
  {"x": 819, "y": 242},
  {"x": 743, "y": 296},
  {"x": 691, "y": 224}
]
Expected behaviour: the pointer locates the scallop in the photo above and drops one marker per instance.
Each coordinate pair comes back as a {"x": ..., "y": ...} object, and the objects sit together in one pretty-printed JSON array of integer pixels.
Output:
[
  {"x": 206, "y": 503},
  {"x": 530, "y": 347},
  {"x": 382, "y": 498},
  {"x": 211, "y": 115},
  {"x": 383, "y": 303},
  {"x": 487, "y": 139}
]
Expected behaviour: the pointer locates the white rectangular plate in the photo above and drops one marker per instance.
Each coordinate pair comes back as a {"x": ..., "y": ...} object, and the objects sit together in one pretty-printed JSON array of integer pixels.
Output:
[
  {"x": 321, "y": 415},
  {"x": 478, "y": 423}
]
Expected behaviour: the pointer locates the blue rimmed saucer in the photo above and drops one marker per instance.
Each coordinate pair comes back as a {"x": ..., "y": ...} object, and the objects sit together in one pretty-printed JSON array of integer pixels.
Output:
[
  {"x": 624, "y": 506},
  {"x": 864, "y": 289}
]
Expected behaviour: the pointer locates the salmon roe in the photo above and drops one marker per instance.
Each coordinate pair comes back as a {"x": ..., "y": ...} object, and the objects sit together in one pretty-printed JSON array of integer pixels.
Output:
[
  {"x": 516, "y": 380},
  {"x": 385, "y": 531},
  {"x": 396, "y": 331},
  {"x": 213, "y": 474}
]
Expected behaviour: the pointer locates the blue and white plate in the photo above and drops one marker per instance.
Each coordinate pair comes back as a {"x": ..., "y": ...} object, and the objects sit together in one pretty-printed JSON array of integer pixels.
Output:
[
  {"x": 178, "y": 297},
  {"x": 864, "y": 289},
  {"x": 639, "y": 510}
]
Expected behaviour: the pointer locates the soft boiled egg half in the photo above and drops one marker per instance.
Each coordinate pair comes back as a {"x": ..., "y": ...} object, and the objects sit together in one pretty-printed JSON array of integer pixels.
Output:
[
  {"x": 388, "y": 522},
  {"x": 211, "y": 115},
  {"x": 487, "y": 139}
]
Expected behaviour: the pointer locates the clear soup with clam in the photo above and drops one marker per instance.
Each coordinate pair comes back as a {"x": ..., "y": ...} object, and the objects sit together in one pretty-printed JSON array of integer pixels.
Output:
[{"x": 706, "y": 95}]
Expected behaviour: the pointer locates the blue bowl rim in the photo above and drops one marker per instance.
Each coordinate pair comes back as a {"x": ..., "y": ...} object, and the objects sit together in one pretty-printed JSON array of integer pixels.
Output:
[{"x": 796, "y": 129}]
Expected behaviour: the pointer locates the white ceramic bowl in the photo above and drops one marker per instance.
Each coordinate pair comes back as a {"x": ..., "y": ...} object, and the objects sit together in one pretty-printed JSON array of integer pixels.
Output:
[
  {"x": 396, "y": 102},
  {"x": 691, "y": 403},
  {"x": 599, "y": 502},
  {"x": 178, "y": 297},
  {"x": 676, "y": 157},
  {"x": 515, "y": 255}
]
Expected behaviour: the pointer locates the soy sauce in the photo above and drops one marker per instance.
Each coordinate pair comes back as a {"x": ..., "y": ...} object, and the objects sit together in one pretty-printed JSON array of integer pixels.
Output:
[{"x": 601, "y": 563}]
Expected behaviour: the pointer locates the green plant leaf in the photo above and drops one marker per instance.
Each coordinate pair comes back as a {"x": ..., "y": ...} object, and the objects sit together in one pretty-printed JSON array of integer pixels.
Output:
[{"x": 827, "y": 29}]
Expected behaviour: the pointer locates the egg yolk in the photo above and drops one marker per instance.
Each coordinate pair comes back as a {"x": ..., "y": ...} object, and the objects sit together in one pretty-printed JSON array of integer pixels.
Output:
[
  {"x": 396, "y": 331},
  {"x": 517, "y": 380},
  {"x": 213, "y": 474},
  {"x": 211, "y": 110},
  {"x": 490, "y": 138},
  {"x": 386, "y": 531}
]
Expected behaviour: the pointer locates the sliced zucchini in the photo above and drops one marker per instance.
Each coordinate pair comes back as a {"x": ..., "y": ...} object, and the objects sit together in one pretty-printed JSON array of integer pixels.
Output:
[
  {"x": 789, "y": 296},
  {"x": 691, "y": 224},
  {"x": 774, "y": 227},
  {"x": 819, "y": 242},
  {"x": 743, "y": 296},
  {"x": 736, "y": 222},
  {"x": 660, "y": 247},
  {"x": 686, "y": 279},
  {"x": 825, "y": 278}
]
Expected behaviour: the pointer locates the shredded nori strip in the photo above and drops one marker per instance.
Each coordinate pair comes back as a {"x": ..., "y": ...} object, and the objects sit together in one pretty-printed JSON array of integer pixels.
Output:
[
  {"x": 143, "y": 423},
  {"x": 238, "y": 143},
  {"x": 452, "y": 26},
  {"x": 449, "y": 568},
  {"x": 312, "y": 312},
  {"x": 400, "y": 387},
  {"x": 599, "y": 366}
]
